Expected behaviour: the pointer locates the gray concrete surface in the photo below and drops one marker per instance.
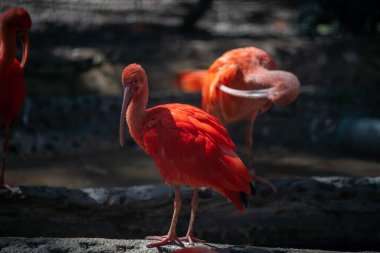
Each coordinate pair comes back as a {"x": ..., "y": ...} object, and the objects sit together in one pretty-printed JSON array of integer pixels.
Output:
[{"x": 97, "y": 245}]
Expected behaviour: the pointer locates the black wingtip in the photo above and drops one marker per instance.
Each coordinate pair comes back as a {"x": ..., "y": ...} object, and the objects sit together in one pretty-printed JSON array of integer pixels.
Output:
[
  {"x": 243, "y": 198},
  {"x": 253, "y": 188}
]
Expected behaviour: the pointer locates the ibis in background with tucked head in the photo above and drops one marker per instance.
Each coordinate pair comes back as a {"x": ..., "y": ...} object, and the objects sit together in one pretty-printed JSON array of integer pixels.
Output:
[{"x": 240, "y": 84}]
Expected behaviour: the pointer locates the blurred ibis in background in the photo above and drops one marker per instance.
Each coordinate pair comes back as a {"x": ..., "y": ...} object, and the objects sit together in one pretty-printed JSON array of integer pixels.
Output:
[
  {"x": 240, "y": 84},
  {"x": 13, "y": 22}
]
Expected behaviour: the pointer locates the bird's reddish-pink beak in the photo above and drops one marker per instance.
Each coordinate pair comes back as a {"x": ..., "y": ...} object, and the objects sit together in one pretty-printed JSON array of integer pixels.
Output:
[
  {"x": 25, "y": 48},
  {"x": 282, "y": 88},
  {"x": 128, "y": 94},
  {"x": 251, "y": 94}
]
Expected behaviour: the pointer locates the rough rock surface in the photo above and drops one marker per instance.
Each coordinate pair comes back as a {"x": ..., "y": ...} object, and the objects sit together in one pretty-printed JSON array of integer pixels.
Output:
[
  {"x": 322, "y": 212},
  {"x": 95, "y": 245}
]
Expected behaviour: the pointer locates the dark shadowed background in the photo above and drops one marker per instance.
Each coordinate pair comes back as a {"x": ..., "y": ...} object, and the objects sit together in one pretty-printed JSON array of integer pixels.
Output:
[{"x": 68, "y": 132}]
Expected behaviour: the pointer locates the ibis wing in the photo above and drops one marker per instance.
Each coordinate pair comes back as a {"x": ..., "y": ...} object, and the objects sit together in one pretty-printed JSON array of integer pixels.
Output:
[
  {"x": 12, "y": 93},
  {"x": 191, "y": 147}
]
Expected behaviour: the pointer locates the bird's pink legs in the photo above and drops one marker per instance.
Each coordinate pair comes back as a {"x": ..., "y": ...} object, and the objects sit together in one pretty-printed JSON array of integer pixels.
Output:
[
  {"x": 4, "y": 158},
  {"x": 249, "y": 138},
  {"x": 171, "y": 237},
  {"x": 194, "y": 206}
]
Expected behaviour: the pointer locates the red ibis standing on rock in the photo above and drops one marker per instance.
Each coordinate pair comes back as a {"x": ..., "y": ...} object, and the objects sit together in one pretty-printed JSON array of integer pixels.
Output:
[
  {"x": 240, "y": 84},
  {"x": 188, "y": 146},
  {"x": 14, "y": 21}
]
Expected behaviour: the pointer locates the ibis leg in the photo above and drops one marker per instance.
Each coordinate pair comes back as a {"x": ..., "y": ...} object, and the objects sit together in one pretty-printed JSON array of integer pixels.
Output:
[
  {"x": 194, "y": 206},
  {"x": 4, "y": 159},
  {"x": 249, "y": 138},
  {"x": 171, "y": 237}
]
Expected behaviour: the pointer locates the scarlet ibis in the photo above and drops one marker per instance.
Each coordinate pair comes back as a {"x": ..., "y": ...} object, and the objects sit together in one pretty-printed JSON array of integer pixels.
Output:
[
  {"x": 12, "y": 81},
  {"x": 188, "y": 146},
  {"x": 240, "y": 84}
]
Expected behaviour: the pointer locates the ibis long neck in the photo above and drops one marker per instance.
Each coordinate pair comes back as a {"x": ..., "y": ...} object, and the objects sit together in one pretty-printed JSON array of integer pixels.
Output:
[
  {"x": 285, "y": 86},
  {"x": 7, "y": 47},
  {"x": 136, "y": 114},
  {"x": 266, "y": 78}
]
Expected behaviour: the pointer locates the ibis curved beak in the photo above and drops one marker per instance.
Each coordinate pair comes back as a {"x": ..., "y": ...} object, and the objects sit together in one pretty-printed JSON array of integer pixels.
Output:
[
  {"x": 25, "y": 48},
  {"x": 128, "y": 94},
  {"x": 251, "y": 94}
]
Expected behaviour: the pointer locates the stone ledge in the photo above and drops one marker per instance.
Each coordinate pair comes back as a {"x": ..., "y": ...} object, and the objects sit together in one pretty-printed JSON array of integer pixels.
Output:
[
  {"x": 99, "y": 245},
  {"x": 321, "y": 212}
]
